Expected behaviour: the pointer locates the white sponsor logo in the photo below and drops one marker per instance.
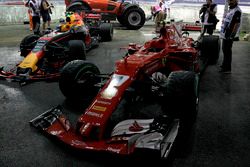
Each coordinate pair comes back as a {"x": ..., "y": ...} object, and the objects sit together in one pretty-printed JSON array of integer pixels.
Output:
[
  {"x": 113, "y": 149},
  {"x": 99, "y": 115}
]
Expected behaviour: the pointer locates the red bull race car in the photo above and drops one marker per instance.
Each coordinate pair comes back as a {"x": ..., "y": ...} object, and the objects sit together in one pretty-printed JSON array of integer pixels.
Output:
[
  {"x": 163, "y": 71},
  {"x": 45, "y": 55}
]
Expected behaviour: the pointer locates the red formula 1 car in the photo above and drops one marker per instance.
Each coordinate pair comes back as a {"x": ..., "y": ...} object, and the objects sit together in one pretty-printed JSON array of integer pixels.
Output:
[
  {"x": 165, "y": 71},
  {"x": 45, "y": 55},
  {"x": 128, "y": 14}
]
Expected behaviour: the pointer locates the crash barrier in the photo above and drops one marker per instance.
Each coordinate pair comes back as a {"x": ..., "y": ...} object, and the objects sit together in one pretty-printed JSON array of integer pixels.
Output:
[{"x": 17, "y": 14}]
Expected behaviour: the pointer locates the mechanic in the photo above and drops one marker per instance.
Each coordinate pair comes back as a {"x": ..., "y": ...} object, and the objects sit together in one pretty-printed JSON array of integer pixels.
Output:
[
  {"x": 165, "y": 7},
  {"x": 208, "y": 19},
  {"x": 46, "y": 12},
  {"x": 72, "y": 20},
  {"x": 159, "y": 14},
  {"x": 229, "y": 29},
  {"x": 29, "y": 15},
  {"x": 35, "y": 6}
]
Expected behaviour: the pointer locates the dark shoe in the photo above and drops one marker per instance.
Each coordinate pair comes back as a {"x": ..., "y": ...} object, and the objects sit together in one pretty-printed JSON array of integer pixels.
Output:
[
  {"x": 225, "y": 71},
  {"x": 236, "y": 39}
]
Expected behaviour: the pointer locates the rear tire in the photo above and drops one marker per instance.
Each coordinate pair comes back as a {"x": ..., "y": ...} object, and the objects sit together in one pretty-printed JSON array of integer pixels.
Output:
[
  {"x": 78, "y": 79},
  {"x": 28, "y": 43},
  {"x": 134, "y": 18},
  {"x": 106, "y": 31},
  {"x": 77, "y": 50},
  {"x": 210, "y": 48}
]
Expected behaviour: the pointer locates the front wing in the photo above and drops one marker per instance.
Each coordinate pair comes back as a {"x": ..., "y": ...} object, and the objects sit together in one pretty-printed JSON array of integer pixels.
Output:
[{"x": 55, "y": 123}]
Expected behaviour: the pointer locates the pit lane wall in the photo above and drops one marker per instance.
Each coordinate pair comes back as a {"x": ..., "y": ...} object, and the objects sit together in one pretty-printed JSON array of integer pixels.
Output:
[{"x": 14, "y": 12}]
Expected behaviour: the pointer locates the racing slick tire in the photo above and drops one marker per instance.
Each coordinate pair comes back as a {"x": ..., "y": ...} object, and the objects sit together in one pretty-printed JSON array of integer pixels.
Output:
[
  {"x": 182, "y": 100},
  {"x": 28, "y": 43},
  {"x": 134, "y": 18},
  {"x": 77, "y": 50},
  {"x": 106, "y": 31},
  {"x": 182, "y": 96},
  {"x": 78, "y": 79},
  {"x": 210, "y": 48}
]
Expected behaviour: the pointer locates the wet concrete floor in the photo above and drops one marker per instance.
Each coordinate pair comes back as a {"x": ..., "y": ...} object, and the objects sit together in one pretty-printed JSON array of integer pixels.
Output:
[{"x": 221, "y": 135}]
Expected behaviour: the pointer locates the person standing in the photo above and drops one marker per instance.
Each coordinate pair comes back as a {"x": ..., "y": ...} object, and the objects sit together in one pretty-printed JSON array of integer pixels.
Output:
[
  {"x": 35, "y": 7},
  {"x": 45, "y": 12},
  {"x": 208, "y": 19},
  {"x": 163, "y": 6},
  {"x": 229, "y": 29},
  {"x": 158, "y": 16},
  {"x": 30, "y": 19},
  {"x": 29, "y": 14}
]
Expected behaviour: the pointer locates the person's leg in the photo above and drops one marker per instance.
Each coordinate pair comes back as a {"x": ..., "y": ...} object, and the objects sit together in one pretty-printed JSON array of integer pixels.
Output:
[
  {"x": 49, "y": 21},
  {"x": 44, "y": 21},
  {"x": 44, "y": 25},
  {"x": 33, "y": 23},
  {"x": 30, "y": 20},
  {"x": 203, "y": 29},
  {"x": 158, "y": 18},
  {"x": 227, "y": 52},
  {"x": 210, "y": 29},
  {"x": 36, "y": 24}
]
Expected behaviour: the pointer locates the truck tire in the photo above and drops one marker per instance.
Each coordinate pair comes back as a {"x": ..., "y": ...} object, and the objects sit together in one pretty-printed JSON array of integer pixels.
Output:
[
  {"x": 77, "y": 50},
  {"x": 210, "y": 48},
  {"x": 106, "y": 31},
  {"x": 120, "y": 19},
  {"x": 78, "y": 79},
  {"x": 134, "y": 18},
  {"x": 78, "y": 7},
  {"x": 28, "y": 43}
]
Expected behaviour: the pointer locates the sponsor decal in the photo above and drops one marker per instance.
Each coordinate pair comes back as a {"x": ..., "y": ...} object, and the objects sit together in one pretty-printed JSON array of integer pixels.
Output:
[
  {"x": 135, "y": 127},
  {"x": 103, "y": 102},
  {"x": 99, "y": 108},
  {"x": 94, "y": 114},
  {"x": 114, "y": 150}
]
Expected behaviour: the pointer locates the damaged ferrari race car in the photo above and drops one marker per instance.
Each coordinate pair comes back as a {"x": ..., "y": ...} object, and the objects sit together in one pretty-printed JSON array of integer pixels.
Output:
[
  {"x": 45, "y": 55},
  {"x": 128, "y": 14},
  {"x": 164, "y": 71}
]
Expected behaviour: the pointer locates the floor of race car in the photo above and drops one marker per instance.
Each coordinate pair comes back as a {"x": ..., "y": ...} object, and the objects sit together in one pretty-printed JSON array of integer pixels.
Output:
[{"x": 220, "y": 136}]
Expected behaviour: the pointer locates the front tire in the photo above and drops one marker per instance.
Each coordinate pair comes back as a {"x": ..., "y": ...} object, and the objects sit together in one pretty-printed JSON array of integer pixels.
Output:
[
  {"x": 28, "y": 43},
  {"x": 181, "y": 102},
  {"x": 182, "y": 96},
  {"x": 78, "y": 79}
]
